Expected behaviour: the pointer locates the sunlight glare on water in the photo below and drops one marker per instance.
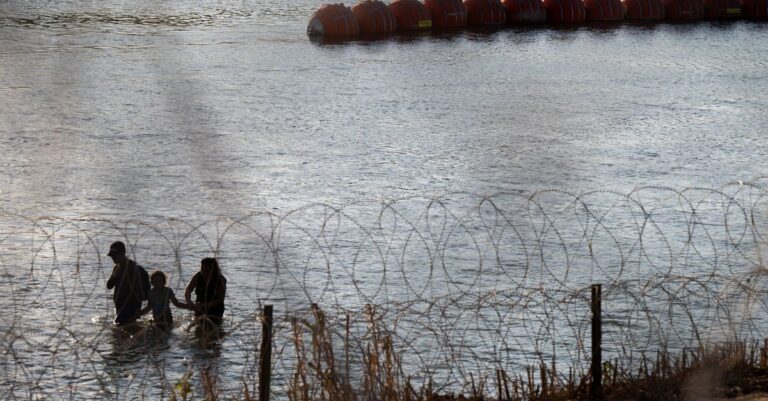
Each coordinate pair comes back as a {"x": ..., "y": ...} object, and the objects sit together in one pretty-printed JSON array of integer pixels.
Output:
[
  {"x": 194, "y": 127},
  {"x": 199, "y": 109}
]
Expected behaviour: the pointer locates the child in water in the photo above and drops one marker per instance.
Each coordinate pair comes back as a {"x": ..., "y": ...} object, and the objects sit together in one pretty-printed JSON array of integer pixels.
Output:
[{"x": 160, "y": 298}]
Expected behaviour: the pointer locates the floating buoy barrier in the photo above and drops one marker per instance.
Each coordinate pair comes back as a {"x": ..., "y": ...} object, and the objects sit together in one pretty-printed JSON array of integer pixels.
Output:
[
  {"x": 604, "y": 10},
  {"x": 565, "y": 11},
  {"x": 485, "y": 12},
  {"x": 524, "y": 11},
  {"x": 411, "y": 15},
  {"x": 333, "y": 20},
  {"x": 644, "y": 10},
  {"x": 722, "y": 9},
  {"x": 447, "y": 13},
  {"x": 374, "y": 17},
  {"x": 755, "y": 9},
  {"x": 683, "y": 10}
]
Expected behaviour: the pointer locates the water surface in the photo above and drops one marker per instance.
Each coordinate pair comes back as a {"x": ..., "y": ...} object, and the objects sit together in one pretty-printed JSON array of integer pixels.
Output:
[{"x": 193, "y": 128}]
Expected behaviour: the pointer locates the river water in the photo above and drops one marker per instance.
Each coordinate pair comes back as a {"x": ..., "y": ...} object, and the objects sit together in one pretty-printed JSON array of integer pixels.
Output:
[{"x": 196, "y": 127}]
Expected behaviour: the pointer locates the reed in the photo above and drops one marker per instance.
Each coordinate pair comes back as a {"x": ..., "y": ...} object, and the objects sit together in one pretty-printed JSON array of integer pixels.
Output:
[
  {"x": 707, "y": 372},
  {"x": 318, "y": 375},
  {"x": 324, "y": 372},
  {"x": 711, "y": 371}
]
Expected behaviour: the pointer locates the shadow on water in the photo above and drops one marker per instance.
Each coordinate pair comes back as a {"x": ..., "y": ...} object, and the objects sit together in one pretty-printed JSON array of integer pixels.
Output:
[
  {"x": 435, "y": 34},
  {"x": 330, "y": 40},
  {"x": 604, "y": 29},
  {"x": 648, "y": 26},
  {"x": 412, "y": 37},
  {"x": 725, "y": 24},
  {"x": 563, "y": 32},
  {"x": 483, "y": 33},
  {"x": 406, "y": 37},
  {"x": 181, "y": 19}
]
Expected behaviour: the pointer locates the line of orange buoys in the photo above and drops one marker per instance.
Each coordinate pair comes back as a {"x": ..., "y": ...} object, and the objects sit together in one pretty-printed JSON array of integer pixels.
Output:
[{"x": 375, "y": 17}]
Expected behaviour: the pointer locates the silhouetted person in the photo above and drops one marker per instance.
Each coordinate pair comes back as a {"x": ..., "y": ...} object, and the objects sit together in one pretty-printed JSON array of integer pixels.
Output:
[
  {"x": 210, "y": 288},
  {"x": 160, "y": 298},
  {"x": 131, "y": 284}
]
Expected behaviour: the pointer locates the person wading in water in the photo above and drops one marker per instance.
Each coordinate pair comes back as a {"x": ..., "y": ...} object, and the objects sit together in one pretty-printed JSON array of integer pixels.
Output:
[
  {"x": 160, "y": 299},
  {"x": 210, "y": 288},
  {"x": 131, "y": 284}
]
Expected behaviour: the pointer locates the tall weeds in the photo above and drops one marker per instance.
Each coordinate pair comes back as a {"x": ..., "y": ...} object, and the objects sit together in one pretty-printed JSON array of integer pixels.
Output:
[
  {"x": 693, "y": 374},
  {"x": 322, "y": 375},
  {"x": 330, "y": 368}
]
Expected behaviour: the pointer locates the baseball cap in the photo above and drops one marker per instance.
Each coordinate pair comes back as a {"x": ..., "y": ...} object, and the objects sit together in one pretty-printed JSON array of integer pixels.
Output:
[{"x": 117, "y": 248}]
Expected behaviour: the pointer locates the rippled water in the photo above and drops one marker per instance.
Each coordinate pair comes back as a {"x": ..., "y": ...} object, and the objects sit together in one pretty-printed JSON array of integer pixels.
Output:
[
  {"x": 198, "y": 109},
  {"x": 195, "y": 110}
]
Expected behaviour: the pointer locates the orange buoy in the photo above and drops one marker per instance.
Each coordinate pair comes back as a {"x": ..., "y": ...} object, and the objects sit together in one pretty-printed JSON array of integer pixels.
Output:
[
  {"x": 333, "y": 20},
  {"x": 447, "y": 13},
  {"x": 410, "y": 15},
  {"x": 524, "y": 11},
  {"x": 604, "y": 10},
  {"x": 722, "y": 8},
  {"x": 683, "y": 10},
  {"x": 755, "y": 9},
  {"x": 644, "y": 10},
  {"x": 565, "y": 11},
  {"x": 374, "y": 17},
  {"x": 485, "y": 12}
]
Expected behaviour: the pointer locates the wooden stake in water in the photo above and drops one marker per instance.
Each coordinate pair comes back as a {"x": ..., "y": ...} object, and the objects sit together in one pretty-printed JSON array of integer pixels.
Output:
[
  {"x": 265, "y": 356},
  {"x": 596, "y": 389}
]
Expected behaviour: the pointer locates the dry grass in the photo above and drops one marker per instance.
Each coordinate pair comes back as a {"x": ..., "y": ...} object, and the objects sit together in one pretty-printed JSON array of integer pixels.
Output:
[
  {"x": 323, "y": 373},
  {"x": 708, "y": 373}
]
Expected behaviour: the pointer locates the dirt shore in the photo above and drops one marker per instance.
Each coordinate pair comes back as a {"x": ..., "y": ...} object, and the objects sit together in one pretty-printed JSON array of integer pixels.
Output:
[{"x": 750, "y": 397}]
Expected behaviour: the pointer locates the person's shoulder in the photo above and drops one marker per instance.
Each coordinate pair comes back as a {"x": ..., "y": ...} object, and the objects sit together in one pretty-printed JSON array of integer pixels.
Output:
[{"x": 195, "y": 279}]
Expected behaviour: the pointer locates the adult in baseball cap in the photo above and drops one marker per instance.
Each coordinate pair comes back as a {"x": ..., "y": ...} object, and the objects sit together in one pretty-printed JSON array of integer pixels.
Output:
[
  {"x": 130, "y": 282},
  {"x": 117, "y": 248}
]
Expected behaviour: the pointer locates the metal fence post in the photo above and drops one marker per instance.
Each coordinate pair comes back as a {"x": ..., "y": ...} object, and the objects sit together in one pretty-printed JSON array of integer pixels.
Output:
[
  {"x": 596, "y": 389},
  {"x": 265, "y": 356}
]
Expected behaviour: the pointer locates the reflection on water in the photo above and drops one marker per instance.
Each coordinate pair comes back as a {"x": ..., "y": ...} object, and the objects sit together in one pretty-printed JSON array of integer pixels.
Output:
[
  {"x": 129, "y": 341},
  {"x": 142, "y": 357},
  {"x": 165, "y": 115},
  {"x": 254, "y": 113}
]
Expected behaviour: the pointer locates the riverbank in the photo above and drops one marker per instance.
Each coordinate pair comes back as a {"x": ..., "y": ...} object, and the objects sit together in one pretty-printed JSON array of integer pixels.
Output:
[
  {"x": 753, "y": 397},
  {"x": 713, "y": 373}
]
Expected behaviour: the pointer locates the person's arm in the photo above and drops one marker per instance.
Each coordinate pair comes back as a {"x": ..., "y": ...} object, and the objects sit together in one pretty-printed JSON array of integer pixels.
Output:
[
  {"x": 188, "y": 294},
  {"x": 190, "y": 287},
  {"x": 177, "y": 303},
  {"x": 145, "y": 310},
  {"x": 113, "y": 278}
]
